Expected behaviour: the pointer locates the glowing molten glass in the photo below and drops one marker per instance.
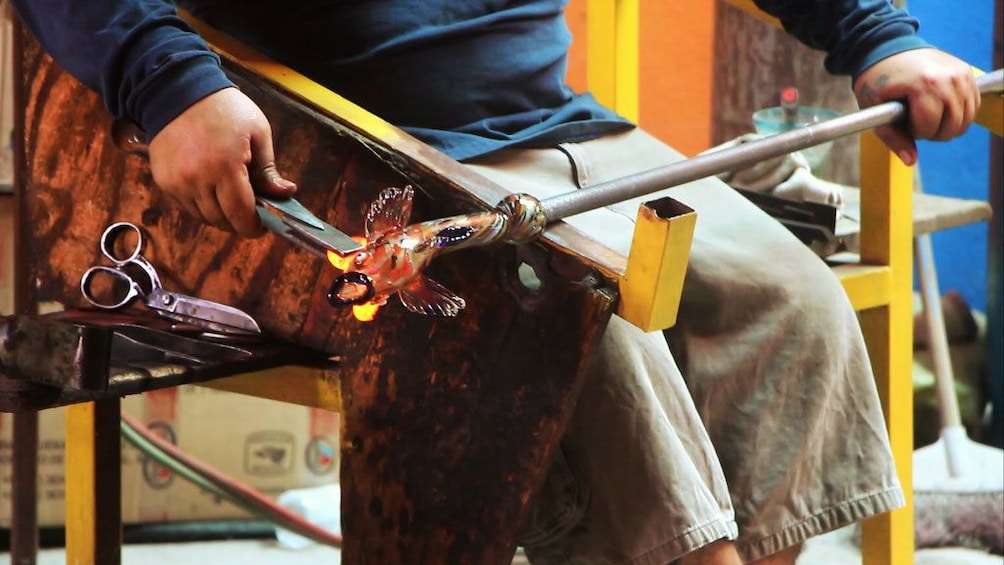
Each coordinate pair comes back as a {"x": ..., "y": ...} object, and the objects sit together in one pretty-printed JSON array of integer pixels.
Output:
[
  {"x": 365, "y": 312},
  {"x": 395, "y": 253},
  {"x": 337, "y": 261},
  {"x": 362, "y": 312}
]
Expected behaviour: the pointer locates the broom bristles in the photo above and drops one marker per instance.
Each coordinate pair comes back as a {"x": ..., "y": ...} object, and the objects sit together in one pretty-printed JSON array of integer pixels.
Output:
[
  {"x": 958, "y": 493},
  {"x": 972, "y": 520}
]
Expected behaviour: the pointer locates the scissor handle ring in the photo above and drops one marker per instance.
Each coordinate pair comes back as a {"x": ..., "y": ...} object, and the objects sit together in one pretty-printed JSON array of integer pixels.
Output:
[
  {"x": 111, "y": 235},
  {"x": 134, "y": 291}
]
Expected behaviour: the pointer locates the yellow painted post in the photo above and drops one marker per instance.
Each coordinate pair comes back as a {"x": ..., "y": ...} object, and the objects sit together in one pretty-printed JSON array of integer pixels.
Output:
[
  {"x": 612, "y": 54},
  {"x": 887, "y": 239},
  {"x": 626, "y": 68},
  {"x": 93, "y": 484},
  {"x": 601, "y": 60}
]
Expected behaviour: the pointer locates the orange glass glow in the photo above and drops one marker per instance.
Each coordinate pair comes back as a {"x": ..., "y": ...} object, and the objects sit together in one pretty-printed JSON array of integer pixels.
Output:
[
  {"x": 339, "y": 262},
  {"x": 365, "y": 312},
  {"x": 362, "y": 312}
]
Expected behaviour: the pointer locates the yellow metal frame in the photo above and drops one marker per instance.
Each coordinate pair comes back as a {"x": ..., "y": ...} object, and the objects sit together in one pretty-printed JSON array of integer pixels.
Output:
[
  {"x": 887, "y": 242},
  {"x": 305, "y": 386},
  {"x": 612, "y": 54},
  {"x": 81, "y": 476},
  {"x": 880, "y": 287},
  {"x": 93, "y": 483},
  {"x": 652, "y": 284}
]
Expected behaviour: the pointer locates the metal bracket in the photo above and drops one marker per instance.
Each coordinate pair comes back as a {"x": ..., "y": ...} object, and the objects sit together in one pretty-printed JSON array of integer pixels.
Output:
[{"x": 652, "y": 285}]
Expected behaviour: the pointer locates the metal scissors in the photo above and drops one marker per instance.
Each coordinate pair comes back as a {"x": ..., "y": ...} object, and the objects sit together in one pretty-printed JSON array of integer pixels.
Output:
[
  {"x": 139, "y": 277},
  {"x": 285, "y": 217}
]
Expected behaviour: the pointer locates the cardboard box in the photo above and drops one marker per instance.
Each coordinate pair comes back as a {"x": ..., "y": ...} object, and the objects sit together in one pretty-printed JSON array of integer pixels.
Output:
[{"x": 269, "y": 445}]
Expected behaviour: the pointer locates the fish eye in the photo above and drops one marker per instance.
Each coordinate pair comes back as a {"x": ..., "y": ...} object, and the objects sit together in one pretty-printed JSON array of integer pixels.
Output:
[
  {"x": 361, "y": 258},
  {"x": 350, "y": 288}
]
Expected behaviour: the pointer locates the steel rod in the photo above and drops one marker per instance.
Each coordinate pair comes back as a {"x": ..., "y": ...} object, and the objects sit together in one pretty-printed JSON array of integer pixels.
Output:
[{"x": 738, "y": 157}]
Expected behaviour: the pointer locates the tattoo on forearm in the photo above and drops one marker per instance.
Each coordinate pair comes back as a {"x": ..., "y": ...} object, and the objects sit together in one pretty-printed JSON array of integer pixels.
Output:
[{"x": 869, "y": 95}]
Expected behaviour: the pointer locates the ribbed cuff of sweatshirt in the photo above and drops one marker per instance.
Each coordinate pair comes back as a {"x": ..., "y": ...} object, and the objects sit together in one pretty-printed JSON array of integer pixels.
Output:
[
  {"x": 179, "y": 70},
  {"x": 887, "y": 49}
]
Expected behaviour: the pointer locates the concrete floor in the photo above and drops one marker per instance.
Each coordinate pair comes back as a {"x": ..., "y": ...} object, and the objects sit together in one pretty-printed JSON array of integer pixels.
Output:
[{"x": 836, "y": 548}]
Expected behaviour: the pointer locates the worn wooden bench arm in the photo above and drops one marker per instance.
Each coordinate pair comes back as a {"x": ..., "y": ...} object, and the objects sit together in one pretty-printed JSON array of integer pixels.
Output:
[{"x": 449, "y": 423}]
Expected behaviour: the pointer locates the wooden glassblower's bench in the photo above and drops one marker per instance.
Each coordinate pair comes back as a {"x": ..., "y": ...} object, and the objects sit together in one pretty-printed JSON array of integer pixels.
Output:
[{"x": 448, "y": 424}]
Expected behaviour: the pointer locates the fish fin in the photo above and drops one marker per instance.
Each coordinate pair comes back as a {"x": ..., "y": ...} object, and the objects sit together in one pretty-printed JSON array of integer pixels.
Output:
[
  {"x": 390, "y": 210},
  {"x": 425, "y": 296}
]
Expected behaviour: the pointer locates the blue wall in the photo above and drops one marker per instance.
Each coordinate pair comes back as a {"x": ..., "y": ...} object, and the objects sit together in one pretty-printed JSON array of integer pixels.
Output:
[{"x": 959, "y": 168}]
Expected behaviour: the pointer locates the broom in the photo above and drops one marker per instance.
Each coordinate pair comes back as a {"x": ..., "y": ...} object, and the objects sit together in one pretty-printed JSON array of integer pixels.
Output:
[{"x": 958, "y": 484}]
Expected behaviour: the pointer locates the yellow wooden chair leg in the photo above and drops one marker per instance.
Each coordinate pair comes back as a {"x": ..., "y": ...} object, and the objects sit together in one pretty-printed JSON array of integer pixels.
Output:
[
  {"x": 887, "y": 239},
  {"x": 93, "y": 484}
]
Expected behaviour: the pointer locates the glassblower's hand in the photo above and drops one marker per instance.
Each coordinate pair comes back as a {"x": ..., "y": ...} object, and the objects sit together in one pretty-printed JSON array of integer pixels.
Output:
[
  {"x": 938, "y": 89},
  {"x": 214, "y": 157}
]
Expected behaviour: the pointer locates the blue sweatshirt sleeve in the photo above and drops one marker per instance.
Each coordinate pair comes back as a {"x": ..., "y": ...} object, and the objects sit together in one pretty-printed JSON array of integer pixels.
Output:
[
  {"x": 855, "y": 34},
  {"x": 147, "y": 64}
]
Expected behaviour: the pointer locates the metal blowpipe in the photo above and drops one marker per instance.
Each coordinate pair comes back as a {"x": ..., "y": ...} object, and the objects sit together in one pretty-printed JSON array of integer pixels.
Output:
[
  {"x": 744, "y": 155},
  {"x": 395, "y": 254}
]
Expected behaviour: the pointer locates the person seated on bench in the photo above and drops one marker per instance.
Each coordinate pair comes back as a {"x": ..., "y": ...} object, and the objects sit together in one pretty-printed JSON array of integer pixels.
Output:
[{"x": 749, "y": 427}]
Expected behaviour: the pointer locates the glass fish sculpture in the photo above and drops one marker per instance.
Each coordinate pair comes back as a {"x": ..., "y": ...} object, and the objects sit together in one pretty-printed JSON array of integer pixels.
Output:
[{"x": 396, "y": 253}]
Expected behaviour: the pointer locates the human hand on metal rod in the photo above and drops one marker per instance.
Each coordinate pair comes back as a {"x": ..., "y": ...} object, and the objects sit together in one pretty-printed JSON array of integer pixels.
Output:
[{"x": 938, "y": 89}]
